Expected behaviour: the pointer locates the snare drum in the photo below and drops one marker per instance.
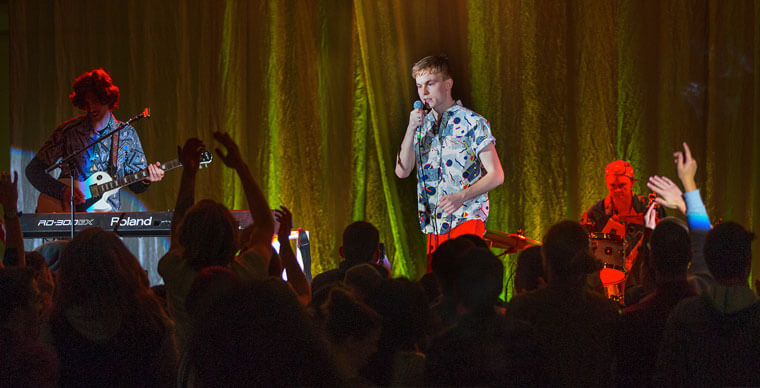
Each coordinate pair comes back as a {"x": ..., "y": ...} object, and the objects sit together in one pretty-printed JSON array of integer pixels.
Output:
[{"x": 610, "y": 250}]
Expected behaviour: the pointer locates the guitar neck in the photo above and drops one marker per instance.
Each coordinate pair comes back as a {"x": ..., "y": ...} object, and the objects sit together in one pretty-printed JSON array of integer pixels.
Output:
[{"x": 136, "y": 177}]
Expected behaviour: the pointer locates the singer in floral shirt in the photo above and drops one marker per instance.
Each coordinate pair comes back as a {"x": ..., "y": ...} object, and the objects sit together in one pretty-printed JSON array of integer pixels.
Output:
[{"x": 455, "y": 155}]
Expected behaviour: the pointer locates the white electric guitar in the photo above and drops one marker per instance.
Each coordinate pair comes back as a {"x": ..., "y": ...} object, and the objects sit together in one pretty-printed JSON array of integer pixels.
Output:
[{"x": 100, "y": 186}]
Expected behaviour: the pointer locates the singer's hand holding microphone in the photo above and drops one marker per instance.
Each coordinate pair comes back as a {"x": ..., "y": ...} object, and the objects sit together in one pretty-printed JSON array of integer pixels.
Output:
[{"x": 417, "y": 115}]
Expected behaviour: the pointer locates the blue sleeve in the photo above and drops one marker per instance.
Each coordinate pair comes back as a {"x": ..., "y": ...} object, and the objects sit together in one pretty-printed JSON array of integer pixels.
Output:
[
  {"x": 698, "y": 274},
  {"x": 132, "y": 158},
  {"x": 131, "y": 155},
  {"x": 696, "y": 213}
]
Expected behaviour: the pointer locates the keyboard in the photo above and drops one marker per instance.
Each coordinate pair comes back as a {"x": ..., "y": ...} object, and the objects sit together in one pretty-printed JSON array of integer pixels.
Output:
[{"x": 127, "y": 224}]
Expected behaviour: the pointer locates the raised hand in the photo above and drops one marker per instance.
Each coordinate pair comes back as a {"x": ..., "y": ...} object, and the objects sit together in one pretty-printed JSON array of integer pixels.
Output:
[
  {"x": 190, "y": 154},
  {"x": 650, "y": 217},
  {"x": 231, "y": 158},
  {"x": 296, "y": 277},
  {"x": 14, "y": 239},
  {"x": 686, "y": 167},
  {"x": 190, "y": 157},
  {"x": 285, "y": 219},
  {"x": 668, "y": 193},
  {"x": 8, "y": 191}
]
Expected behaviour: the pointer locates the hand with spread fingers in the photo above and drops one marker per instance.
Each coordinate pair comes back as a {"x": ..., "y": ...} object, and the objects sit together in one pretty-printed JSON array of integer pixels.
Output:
[
  {"x": 668, "y": 193},
  {"x": 260, "y": 238},
  {"x": 232, "y": 157}
]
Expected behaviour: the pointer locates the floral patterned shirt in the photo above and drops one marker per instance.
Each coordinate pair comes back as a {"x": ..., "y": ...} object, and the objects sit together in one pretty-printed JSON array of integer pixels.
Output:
[
  {"x": 74, "y": 135},
  {"x": 448, "y": 162}
]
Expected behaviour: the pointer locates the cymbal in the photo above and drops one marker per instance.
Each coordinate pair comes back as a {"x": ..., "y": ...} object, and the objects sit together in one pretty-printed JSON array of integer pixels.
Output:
[{"x": 508, "y": 241}]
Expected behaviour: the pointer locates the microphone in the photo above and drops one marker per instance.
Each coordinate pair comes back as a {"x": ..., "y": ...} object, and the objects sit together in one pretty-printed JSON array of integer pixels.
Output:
[
  {"x": 418, "y": 105},
  {"x": 144, "y": 115}
]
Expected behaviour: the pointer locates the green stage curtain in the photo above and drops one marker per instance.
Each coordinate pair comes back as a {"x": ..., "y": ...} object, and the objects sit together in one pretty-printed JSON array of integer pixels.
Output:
[{"x": 317, "y": 94}]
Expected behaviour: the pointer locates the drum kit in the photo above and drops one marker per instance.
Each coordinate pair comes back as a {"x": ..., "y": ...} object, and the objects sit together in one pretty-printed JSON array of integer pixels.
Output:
[{"x": 608, "y": 248}]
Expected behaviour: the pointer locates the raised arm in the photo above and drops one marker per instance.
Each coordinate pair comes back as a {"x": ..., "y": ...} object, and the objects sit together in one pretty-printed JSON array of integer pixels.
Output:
[
  {"x": 14, "y": 241},
  {"x": 190, "y": 156},
  {"x": 296, "y": 277},
  {"x": 695, "y": 208},
  {"x": 263, "y": 224},
  {"x": 690, "y": 203},
  {"x": 686, "y": 167},
  {"x": 699, "y": 222}
]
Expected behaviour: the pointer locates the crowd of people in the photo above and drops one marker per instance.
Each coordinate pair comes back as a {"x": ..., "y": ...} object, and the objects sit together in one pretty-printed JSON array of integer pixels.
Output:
[{"x": 225, "y": 317}]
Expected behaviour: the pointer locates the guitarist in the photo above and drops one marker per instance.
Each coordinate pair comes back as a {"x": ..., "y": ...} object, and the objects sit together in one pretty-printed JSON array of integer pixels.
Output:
[{"x": 122, "y": 154}]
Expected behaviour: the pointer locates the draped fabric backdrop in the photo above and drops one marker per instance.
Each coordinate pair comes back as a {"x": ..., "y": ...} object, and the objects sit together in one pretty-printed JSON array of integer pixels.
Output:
[{"x": 317, "y": 94}]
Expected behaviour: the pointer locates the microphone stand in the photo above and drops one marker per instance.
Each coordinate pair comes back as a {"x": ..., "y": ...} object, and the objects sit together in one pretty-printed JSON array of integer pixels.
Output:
[{"x": 71, "y": 158}]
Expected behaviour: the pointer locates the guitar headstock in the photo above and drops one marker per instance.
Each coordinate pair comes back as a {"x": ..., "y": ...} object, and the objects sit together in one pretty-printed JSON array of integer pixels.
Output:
[{"x": 206, "y": 158}]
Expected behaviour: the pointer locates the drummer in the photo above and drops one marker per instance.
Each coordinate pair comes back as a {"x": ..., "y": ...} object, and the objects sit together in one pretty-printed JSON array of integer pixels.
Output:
[{"x": 621, "y": 212}]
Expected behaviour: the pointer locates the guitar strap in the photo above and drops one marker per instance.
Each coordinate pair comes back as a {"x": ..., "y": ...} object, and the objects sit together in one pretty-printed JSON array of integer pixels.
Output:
[{"x": 114, "y": 153}]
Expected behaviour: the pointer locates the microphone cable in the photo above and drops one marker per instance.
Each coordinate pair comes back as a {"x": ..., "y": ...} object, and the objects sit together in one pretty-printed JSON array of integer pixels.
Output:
[{"x": 421, "y": 176}]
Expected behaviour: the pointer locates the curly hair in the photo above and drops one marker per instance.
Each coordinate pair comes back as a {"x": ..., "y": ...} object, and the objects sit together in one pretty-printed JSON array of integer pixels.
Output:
[{"x": 99, "y": 82}]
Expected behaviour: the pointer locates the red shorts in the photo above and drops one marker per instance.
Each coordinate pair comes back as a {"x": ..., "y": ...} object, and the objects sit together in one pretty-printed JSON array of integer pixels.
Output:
[{"x": 476, "y": 227}]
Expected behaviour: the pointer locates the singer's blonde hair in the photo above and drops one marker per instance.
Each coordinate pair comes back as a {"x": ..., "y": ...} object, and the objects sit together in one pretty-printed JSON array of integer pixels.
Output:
[{"x": 433, "y": 64}]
